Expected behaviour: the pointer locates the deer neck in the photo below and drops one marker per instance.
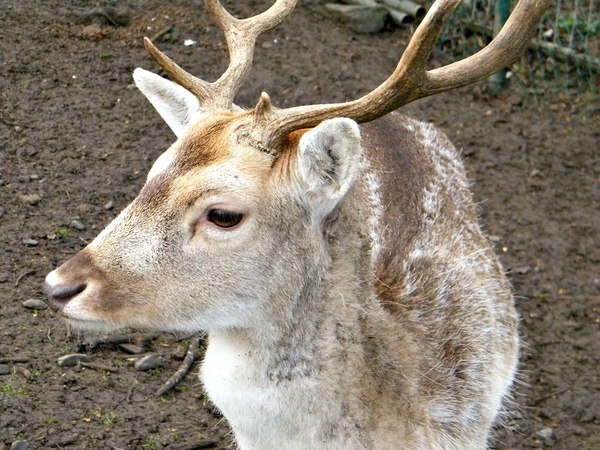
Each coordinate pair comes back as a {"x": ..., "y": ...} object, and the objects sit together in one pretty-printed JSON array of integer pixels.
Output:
[{"x": 335, "y": 291}]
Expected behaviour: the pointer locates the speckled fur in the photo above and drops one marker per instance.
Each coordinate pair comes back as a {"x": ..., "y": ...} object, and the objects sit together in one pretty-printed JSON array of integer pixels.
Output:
[{"x": 385, "y": 324}]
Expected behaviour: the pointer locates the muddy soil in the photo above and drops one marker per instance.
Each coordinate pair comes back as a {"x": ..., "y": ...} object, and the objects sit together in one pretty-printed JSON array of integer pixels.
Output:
[{"x": 76, "y": 141}]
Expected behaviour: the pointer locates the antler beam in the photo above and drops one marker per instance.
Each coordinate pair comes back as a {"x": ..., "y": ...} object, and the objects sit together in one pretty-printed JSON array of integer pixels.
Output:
[{"x": 411, "y": 81}]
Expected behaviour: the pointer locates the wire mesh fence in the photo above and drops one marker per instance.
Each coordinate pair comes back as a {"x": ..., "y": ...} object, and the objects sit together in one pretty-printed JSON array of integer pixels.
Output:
[{"x": 562, "y": 61}]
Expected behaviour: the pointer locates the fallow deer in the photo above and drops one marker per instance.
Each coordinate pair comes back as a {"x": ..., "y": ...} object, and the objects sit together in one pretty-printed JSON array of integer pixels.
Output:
[{"x": 350, "y": 297}]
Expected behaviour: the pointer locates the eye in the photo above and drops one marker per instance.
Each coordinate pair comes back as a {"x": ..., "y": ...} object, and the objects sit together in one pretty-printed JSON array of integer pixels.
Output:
[{"x": 223, "y": 218}]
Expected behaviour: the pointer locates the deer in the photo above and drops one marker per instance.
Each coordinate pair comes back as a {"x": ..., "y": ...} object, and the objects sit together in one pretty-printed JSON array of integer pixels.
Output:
[{"x": 331, "y": 253}]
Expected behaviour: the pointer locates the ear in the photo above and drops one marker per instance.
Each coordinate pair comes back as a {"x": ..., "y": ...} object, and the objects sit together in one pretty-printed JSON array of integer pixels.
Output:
[
  {"x": 329, "y": 158},
  {"x": 176, "y": 105}
]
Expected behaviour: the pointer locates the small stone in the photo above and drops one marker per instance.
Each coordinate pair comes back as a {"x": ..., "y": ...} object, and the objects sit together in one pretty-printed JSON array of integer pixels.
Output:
[
  {"x": 579, "y": 431},
  {"x": 69, "y": 378},
  {"x": 30, "y": 242},
  {"x": 85, "y": 208},
  {"x": 546, "y": 433},
  {"x": 131, "y": 349},
  {"x": 20, "y": 445},
  {"x": 521, "y": 270},
  {"x": 180, "y": 353},
  {"x": 5, "y": 369},
  {"x": 34, "y": 303},
  {"x": 34, "y": 177},
  {"x": 109, "y": 205},
  {"x": 72, "y": 359},
  {"x": 148, "y": 362},
  {"x": 78, "y": 225},
  {"x": 32, "y": 199},
  {"x": 4, "y": 277},
  {"x": 494, "y": 238}
]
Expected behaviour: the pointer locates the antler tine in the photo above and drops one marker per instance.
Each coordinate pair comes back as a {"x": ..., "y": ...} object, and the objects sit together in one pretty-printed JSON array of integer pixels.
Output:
[
  {"x": 241, "y": 35},
  {"x": 196, "y": 86},
  {"x": 510, "y": 42},
  {"x": 411, "y": 81}
]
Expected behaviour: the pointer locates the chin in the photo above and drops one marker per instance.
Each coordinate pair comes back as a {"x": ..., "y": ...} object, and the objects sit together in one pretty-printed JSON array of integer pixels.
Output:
[{"x": 95, "y": 326}]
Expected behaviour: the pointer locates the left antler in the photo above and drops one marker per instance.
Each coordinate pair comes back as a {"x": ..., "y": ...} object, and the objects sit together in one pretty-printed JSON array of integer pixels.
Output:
[{"x": 240, "y": 35}]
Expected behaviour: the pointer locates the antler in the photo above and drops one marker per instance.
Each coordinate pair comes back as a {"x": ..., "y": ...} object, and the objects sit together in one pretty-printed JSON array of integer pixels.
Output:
[
  {"x": 240, "y": 35},
  {"x": 411, "y": 81}
]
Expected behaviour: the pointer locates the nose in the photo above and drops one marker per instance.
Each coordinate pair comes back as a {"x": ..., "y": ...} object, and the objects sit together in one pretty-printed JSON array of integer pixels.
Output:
[{"x": 60, "y": 295}]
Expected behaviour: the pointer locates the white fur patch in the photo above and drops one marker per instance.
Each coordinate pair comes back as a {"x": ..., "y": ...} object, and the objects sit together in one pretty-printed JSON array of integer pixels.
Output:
[
  {"x": 176, "y": 105},
  {"x": 162, "y": 163},
  {"x": 373, "y": 186}
]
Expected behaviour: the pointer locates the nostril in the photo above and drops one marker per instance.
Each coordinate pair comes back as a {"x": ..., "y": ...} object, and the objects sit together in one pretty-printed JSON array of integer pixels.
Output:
[{"x": 61, "y": 295}]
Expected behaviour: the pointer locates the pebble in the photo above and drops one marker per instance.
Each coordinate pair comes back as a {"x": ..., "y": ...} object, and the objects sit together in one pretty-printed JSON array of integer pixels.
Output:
[
  {"x": 34, "y": 177},
  {"x": 72, "y": 359},
  {"x": 5, "y": 369},
  {"x": 523, "y": 270},
  {"x": 34, "y": 303},
  {"x": 20, "y": 445},
  {"x": 131, "y": 349},
  {"x": 4, "y": 277},
  {"x": 494, "y": 238},
  {"x": 32, "y": 199},
  {"x": 546, "y": 433},
  {"x": 148, "y": 362},
  {"x": 109, "y": 205},
  {"x": 78, "y": 225},
  {"x": 30, "y": 242}
]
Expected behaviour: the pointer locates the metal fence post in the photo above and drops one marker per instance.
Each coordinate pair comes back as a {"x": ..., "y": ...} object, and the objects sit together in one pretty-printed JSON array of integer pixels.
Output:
[{"x": 501, "y": 13}]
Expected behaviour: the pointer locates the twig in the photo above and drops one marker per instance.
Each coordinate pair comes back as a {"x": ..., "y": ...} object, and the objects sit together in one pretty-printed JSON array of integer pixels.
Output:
[
  {"x": 183, "y": 369},
  {"x": 195, "y": 445},
  {"x": 107, "y": 340},
  {"x": 23, "y": 275},
  {"x": 116, "y": 340},
  {"x": 185, "y": 337},
  {"x": 162, "y": 32},
  {"x": 98, "y": 367},
  {"x": 14, "y": 359},
  {"x": 543, "y": 398}
]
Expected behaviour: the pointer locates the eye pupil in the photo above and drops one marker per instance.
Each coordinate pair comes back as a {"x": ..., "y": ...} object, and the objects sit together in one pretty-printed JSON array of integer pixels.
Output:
[{"x": 223, "y": 218}]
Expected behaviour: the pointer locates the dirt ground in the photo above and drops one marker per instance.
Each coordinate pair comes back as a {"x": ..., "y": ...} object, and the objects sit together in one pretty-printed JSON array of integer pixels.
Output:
[{"x": 76, "y": 142}]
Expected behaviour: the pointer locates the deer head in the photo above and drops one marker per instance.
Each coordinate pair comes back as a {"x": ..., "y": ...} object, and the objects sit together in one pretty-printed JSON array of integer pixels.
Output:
[{"x": 232, "y": 216}]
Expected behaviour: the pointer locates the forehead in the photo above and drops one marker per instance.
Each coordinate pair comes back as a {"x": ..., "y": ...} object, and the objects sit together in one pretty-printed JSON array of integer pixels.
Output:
[
  {"x": 204, "y": 143},
  {"x": 209, "y": 158}
]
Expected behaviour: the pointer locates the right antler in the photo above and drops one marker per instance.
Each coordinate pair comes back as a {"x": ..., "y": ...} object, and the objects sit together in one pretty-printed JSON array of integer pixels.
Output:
[{"x": 411, "y": 81}]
